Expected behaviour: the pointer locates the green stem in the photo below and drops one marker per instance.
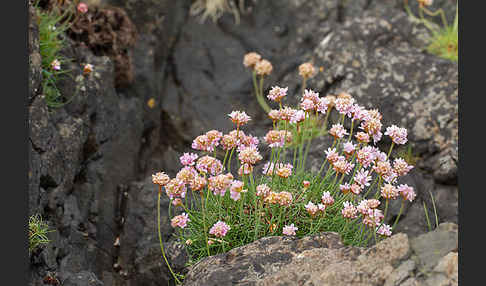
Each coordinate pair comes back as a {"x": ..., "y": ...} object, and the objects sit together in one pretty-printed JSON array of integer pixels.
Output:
[
  {"x": 160, "y": 237},
  {"x": 399, "y": 214}
]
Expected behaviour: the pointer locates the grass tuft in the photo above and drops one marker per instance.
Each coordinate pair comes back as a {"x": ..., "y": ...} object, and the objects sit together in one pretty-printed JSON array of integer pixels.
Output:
[{"x": 38, "y": 230}]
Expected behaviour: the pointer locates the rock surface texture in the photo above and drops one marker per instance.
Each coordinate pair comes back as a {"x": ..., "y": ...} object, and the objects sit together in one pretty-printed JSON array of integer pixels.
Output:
[
  {"x": 323, "y": 260},
  {"x": 90, "y": 161}
]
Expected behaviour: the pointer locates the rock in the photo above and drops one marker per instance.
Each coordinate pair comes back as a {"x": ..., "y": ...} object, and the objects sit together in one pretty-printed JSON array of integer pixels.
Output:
[
  {"x": 401, "y": 273},
  {"x": 446, "y": 271},
  {"x": 35, "y": 61},
  {"x": 82, "y": 278},
  {"x": 434, "y": 245}
]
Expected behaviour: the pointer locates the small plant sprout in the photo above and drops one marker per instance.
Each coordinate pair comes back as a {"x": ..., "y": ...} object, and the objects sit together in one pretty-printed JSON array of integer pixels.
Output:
[
  {"x": 38, "y": 230},
  {"x": 444, "y": 40},
  {"x": 278, "y": 195}
]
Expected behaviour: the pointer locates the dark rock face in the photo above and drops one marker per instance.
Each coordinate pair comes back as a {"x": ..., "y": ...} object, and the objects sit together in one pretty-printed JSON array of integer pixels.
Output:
[
  {"x": 90, "y": 161},
  {"x": 323, "y": 260}
]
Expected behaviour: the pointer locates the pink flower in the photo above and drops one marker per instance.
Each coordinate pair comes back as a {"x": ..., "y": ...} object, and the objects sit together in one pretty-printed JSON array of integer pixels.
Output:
[
  {"x": 331, "y": 155},
  {"x": 407, "y": 192},
  {"x": 305, "y": 184},
  {"x": 202, "y": 143},
  {"x": 289, "y": 229},
  {"x": 362, "y": 178},
  {"x": 175, "y": 188},
  {"x": 239, "y": 117},
  {"x": 213, "y": 137},
  {"x": 198, "y": 183},
  {"x": 82, "y": 8},
  {"x": 365, "y": 156},
  {"x": 87, "y": 69},
  {"x": 348, "y": 148},
  {"x": 208, "y": 164},
  {"x": 398, "y": 135},
  {"x": 310, "y": 95},
  {"x": 389, "y": 191},
  {"x": 356, "y": 189},
  {"x": 321, "y": 207},
  {"x": 245, "y": 169},
  {"x": 277, "y": 93},
  {"x": 311, "y": 208},
  {"x": 219, "y": 184},
  {"x": 251, "y": 59},
  {"x": 274, "y": 115},
  {"x": 372, "y": 126},
  {"x": 284, "y": 198},
  {"x": 298, "y": 117},
  {"x": 229, "y": 141},
  {"x": 186, "y": 174},
  {"x": 327, "y": 199},
  {"x": 343, "y": 167},
  {"x": 307, "y": 70},
  {"x": 307, "y": 105},
  {"x": 250, "y": 155},
  {"x": 338, "y": 131},
  {"x": 345, "y": 188},
  {"x": 56, "y": 65},
  {"x": 219, "y": 229},
  {"x": 359, "y": 112},
  {"x": 385, "y": 230},
  {"x": 236, "y": 190},
  {"x": 263, "y": 190},
  {"x": 362, "y": 137},
  {"x": 401, "y": 167},
  {"x": 344, "y": 103},
  {"x": 180, "y": 220},
  {"x": 177, "y": 202},
  {"x": 323, "y": 105},
  {"x": 188, "y": 159},
  {"x": 349, "y": 211},
  {"x": 284, "y": 171},
  {"x": 287, "y": 113},
  {"x": 160, "y": 178}
]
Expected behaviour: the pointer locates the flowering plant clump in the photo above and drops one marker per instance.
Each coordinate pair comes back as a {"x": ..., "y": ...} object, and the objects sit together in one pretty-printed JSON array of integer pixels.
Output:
[{"x": 223, "y": 208}]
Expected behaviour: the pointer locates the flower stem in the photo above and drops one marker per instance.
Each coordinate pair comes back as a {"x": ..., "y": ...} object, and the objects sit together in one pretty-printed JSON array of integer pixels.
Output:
[{"x": 160, "y": 237}]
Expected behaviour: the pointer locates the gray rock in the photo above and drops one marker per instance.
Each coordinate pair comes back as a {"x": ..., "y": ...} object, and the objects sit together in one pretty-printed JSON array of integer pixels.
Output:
[
  {"x": 432, "y": 246},
  {"x": 82, "y": 278}
]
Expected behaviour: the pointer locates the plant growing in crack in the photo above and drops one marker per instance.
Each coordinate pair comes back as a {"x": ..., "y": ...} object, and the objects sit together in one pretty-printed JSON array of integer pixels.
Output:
[
  {"x": 38, "y": 230},
  {"x": 444, "y": 40},
  {"x": 350, "y": 193}
]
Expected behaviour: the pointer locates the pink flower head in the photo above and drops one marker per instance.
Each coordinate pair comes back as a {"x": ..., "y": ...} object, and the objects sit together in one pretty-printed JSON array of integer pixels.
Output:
[
  {"x": 307, "y": 70},
  {"x": 250, "y": 155},
  {"x": 311, "y": 208},
  {"x": 198, "y": 183},
  {"x": 213, "y": 137},
  {"x": 348, "y": 148},
  {"x": 372, "y": 126},
  {"x": 338, "y": 131},
  {"x": 401, "y": 167},
  {"x": 219, "y": 229},
  {"x": 398, "y": 135},
  {"x": 239, "y": 117},
  {"x": 344, "y": 103},
  {"x": 284, "y": 171},
  {"x": 287, "y": 113},
  {"x": 383, "y": 168},
  {"x": 365, "y": 156},
  {"x": 274, "y": 115},
  {"x": 307, "y": 105},
  {"x": 349, "y": 210},
  {"x": 202, "y": 143},
  {"x": 362, "y": 137},
  {"x": 359, "y": 112},
  {"x": 263, "y": 190},
  {"x": 180, "y": 220},
  {"x": 321, "y": 207},
  {"x": 298, "y": 117},
  {"x": 289, "y": 229},
  {"x": 362, "y": 178},
  {"x": 331, "y": 155},
  {"x": 345, "y": 188},
  {"x": 342, "y": 166},
  {"x": 175, "y": 188},
  {"x": 208, "y": 164},
  {"x": 277, "y": 93},
  {"x": 268, "y": 168},
  {"x": 327, "y": 199},
  {"x": 56, "y": 65},
  {"x": 310, "y": 95},
  {"x": 82, "y": 8},
  {"x": 373, "y": 217},
  {"x": 87, "y": 69},
  {"x": 356, "y": 188},
  {"x": 229, "y": 141},
  {"x": 160, "y": 178},
  {"x": 245, "y": 169},
  {"x": 284, "y": 198},
  {"x": 188, "y": 159},
  {"x": 323, "y": 105},
  {"x": 407, "y": 192},
  {"x": 251, "y": 59},
  {"x": 186, "y": 174},
  {"x": 236, "y": 189},
  {"x": 385, "y": 230},
  {"x": 219, "y": 184},
  {"x": 177, "y": 202},
  {"x": 305, "y": 184},
  {"x": 389, "y": 191},
  {"x": 274, "y": 139},
  {"x": 248, "y": 141}
]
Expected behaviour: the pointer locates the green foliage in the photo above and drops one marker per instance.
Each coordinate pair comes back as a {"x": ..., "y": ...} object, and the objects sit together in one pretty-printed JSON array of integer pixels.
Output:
[
  {"x": 444, "y": 43},
  {"x": 38, "y": 230},
  {"x": 408, "y": 155},
  {"x": 444, "y": 40},
  {"x": 52, "y": 24}
]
